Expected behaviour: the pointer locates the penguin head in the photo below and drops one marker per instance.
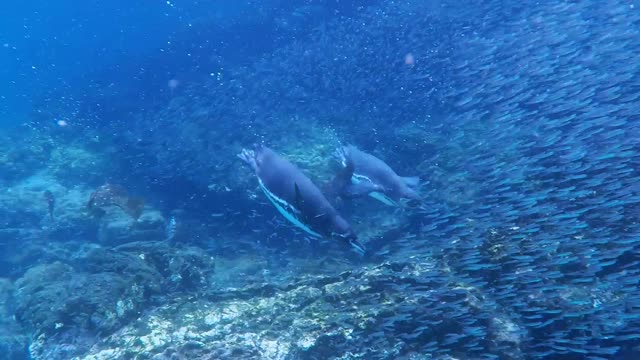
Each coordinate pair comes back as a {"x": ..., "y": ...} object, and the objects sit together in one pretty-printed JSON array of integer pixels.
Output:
[{"x": 262, "y": 153}]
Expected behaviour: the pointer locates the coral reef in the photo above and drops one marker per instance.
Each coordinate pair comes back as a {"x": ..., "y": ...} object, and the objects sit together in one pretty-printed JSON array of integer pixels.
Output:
[
  {"x": 109, "y": 195},
  {"x": 73, "y": 305}
]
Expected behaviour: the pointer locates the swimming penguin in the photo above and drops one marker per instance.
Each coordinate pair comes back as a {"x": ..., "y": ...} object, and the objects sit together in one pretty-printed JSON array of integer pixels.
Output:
[
  {"x": 364, "y": 174},
  {"x": 296, "y": 197}
]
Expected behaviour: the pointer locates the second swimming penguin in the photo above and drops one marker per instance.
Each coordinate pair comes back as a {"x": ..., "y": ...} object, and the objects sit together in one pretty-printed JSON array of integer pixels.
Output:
[
  {"x": 296, "y": 197},
  {"x": 364, "y": 174}
]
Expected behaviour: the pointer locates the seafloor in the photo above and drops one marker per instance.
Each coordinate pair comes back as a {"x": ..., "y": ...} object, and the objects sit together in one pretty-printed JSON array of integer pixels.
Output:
[{"x": 95, "y": 282}]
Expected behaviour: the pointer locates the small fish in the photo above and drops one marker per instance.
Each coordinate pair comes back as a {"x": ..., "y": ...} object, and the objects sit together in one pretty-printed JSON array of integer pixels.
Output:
[
  {"x": 170, "y": 229},
  {"x": 51, "y": 202}
]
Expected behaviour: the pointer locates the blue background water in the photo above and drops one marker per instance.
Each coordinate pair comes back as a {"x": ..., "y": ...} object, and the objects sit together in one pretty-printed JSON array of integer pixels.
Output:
[
  {"x": 521, "y": 120},
  {"x": 48, "y": 46},
  {"x": 57, "y": 48}
]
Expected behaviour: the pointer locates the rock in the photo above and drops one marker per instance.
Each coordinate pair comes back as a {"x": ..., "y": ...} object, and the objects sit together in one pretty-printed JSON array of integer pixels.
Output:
[
  {"x": 21, "y": 151},
  {"x": 183, "y": 268},
  {"x": 13, "y": 340},
  {"x": 63, "y": 306},
  {"x": 41, "y": 296},
  {"x": 67, "y": 307},
  {"x": 388, "y": 311},
  {"x": 117, "y": 227},
  {"x": 24, "y": 211},
  {"x": 72, "y": 165}
]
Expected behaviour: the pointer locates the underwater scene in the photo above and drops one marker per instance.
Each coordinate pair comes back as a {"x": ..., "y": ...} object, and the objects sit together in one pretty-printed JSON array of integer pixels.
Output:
[{"x": 320, "y": 179}]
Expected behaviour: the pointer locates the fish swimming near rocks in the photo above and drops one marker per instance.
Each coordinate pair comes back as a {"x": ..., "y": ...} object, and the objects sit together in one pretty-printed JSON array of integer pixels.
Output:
[
  {"x": 364, "y": 174},
  {"x": 170, "y": 228},
  {"x": 297, "y": 198}
]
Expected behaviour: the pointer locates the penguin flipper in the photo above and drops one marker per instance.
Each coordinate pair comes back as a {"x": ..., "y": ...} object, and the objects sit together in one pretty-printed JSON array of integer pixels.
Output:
[
  {"x": 345, "y": 174},
  {"x": 359, "y": 189},
  {"x": 298, "y": 198},
  {"x": 342, "y": 180},
  {"x": 357, "y": 246}
]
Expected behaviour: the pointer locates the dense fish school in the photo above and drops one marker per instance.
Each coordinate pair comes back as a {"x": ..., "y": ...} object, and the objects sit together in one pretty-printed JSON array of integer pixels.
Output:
[
  {"x": 546, "y": 105},
  {"x": 533, "y": 198}
]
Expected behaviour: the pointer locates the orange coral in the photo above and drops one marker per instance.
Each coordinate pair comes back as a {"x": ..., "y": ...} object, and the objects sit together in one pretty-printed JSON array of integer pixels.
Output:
[{"x": 115, "y": 195}]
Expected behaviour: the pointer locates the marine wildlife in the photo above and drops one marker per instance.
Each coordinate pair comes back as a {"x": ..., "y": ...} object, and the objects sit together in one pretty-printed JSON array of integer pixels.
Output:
[
  {"x": 523, "y": 116},
  {"x": 364, "y": 174},
  {"x": 297, "y": 198},
  {"x": 51, "y": 202},
  {"x": 114, "y": 195},
  {"x": 170, "y": 228}
]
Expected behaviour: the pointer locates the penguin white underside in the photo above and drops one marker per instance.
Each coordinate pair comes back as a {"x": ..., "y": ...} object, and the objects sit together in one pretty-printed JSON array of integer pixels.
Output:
[
  {"x": 357, "y": 179},
  {"x": 287, "y": 210}
]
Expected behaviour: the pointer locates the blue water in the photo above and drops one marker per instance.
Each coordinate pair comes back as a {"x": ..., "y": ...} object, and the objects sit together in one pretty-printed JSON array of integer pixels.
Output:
[
  {"x": 49, "y": 46},
  {"x": 127, "y": 217}
]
